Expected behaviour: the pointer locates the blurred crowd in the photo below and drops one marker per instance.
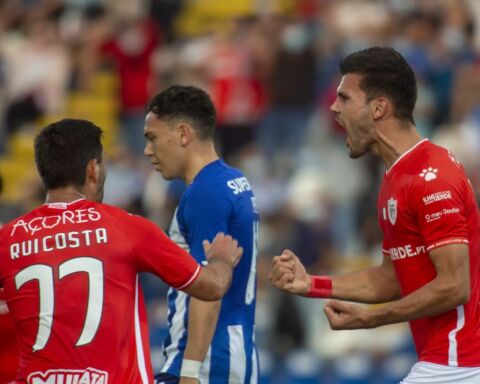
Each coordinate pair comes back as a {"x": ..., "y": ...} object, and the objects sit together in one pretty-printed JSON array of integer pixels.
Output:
[{"x": 270, "y": 67}]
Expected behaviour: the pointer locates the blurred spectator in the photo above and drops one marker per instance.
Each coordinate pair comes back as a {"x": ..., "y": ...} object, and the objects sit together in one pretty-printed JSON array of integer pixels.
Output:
[
  {"x": 131, "y": 48},
  {"x": 237, "y": 93},
  {"x": 282, "y": 131},
  {"x": 38, "y": 68}
]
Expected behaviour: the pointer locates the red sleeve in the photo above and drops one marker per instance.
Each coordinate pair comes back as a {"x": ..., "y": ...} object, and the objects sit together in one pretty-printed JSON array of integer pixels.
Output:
[
  {"x": 440, "y": 206},
  {"x": 154, "y": 252}
]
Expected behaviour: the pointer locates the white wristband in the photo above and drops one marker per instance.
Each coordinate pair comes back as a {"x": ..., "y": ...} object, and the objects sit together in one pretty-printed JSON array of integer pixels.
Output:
[{"x": 190, "y": 368}]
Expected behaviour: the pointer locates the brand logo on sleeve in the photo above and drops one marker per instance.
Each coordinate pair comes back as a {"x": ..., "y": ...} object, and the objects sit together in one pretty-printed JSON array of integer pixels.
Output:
[
  {"x": 429, "y": 217},
  {"x": 392, "y": 210},
  {"x": 73, "y": 376},
  {"x": 437, "y": 196},
  {"x": 454, "y": 159},
  {"x": 429, "y": 173},
  {"x": 405, "y": 251}
]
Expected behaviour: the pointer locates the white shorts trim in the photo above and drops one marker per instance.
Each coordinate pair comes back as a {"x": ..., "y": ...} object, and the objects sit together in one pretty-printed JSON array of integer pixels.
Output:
[{"x": 429, "y": 373}]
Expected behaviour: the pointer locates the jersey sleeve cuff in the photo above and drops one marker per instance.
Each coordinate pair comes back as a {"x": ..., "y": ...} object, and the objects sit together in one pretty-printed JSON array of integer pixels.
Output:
[
  {"x": 191, "y": 280},
  {"x": 444, "y": 242}
]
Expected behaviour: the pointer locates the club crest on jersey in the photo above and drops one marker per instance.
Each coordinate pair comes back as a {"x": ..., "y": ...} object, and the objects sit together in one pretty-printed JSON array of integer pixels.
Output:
[
  {"x": 392, "y": 210},
  {"x": 428, "y": 173}
]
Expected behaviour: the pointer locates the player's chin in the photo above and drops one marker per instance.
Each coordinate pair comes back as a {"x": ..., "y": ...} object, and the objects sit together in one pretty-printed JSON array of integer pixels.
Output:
[
  {"x": 355, "y": 153},
  {"x": 158, "y": 168}
]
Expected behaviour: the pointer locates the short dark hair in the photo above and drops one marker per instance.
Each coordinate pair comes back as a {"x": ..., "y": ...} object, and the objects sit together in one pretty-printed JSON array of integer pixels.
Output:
[
  {"x": 186, "y": 102},
  {"x": 386, "y": 73},
  {"x": 63, "y": 150}
]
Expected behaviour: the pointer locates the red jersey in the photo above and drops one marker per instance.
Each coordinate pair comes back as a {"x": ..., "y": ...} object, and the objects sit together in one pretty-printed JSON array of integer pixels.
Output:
[
  {"x": 427, "y": 202},
  {"x": 8, "y": 343},
  {"x": 70, "y": 273}
]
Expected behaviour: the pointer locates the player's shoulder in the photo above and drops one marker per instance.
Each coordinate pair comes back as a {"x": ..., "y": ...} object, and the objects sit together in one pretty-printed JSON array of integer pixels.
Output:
[
  {"x": 438, "y": 163},
  {"x": 121, "y": 215},
  {"x": 8, "y": 228},
  {"x": 221, "y": 179}
]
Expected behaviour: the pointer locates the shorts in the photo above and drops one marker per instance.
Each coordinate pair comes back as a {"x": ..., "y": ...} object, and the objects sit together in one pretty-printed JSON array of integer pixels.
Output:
[
  {"x": 165, "y": 378},
  {"x": 429, "y": 373}
]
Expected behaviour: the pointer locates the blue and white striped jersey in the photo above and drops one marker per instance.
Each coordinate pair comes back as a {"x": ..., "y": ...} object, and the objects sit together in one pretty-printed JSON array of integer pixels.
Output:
[{"x": 218, "y": 200}]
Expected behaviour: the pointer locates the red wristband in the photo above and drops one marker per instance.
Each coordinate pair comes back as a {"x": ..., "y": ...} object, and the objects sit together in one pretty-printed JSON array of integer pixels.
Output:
[{"x": 320, "y": 286}]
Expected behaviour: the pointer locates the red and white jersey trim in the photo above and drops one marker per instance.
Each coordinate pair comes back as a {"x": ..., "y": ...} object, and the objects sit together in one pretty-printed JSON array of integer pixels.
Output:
[
  {"x": 452, "y": 337},
  {"x": 404, "y": 154},
  {"x": 138, "y": 338},
  {"x": 191, "y": 280},
  {"x": 445, "y": 242}
]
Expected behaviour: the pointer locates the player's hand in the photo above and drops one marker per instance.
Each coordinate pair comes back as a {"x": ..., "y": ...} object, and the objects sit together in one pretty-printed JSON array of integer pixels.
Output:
[
  {"x": 289, "y": 274},
  {"x": 188, "y": 380},
  {"x": 343, "y": 315},
  {"x": 224, "y": 248}
]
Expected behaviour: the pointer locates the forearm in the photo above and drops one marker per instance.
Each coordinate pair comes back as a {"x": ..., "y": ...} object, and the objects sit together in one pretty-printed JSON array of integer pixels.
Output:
[
  {"x": 432, "y": 299},
  {"x": 202, "y": 321},
  {"x": 373, "y": 285},
  {"x": 212, "y": 282}
]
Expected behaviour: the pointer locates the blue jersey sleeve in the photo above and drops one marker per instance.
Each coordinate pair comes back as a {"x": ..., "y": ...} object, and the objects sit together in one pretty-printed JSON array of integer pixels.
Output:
[{"x": 205, "y": 213}]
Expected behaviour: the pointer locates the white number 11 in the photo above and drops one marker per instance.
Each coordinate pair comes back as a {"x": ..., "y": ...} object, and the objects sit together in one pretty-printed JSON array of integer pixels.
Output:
[{"x": 44, "y": 274}]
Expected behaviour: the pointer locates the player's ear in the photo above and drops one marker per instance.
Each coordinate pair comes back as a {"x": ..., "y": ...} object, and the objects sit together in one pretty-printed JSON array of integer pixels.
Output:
[
  {"x": 379, "y": 107},
  {"x": 186, "y": 134},
  {"x": 93, "y": 171}
]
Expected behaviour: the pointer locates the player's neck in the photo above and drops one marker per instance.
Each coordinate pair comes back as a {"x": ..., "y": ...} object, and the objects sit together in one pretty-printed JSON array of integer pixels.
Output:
[
  {"x": 199, "y": 159},
  {"x": 394, "y": 141},
  {"x": 63, "y": 195}
]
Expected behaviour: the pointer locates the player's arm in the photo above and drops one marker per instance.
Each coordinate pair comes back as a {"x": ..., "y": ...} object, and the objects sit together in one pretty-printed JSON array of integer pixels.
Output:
[
  {"x": 214, "y": 279},
  {"x": 202, "y": 321},
  {"x": 449, "y": 289},
  {"x": 202, "y": 315},
  {"x": 154, "y": 252},
  {"x": 372, "y": 285}
]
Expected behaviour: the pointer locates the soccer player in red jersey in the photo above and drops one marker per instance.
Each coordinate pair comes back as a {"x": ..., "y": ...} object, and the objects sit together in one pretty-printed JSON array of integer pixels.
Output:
[
  {"x": 430, "y": 274},
  {"x": 70, "y": 270},
  {"x": 8, "y": 339}
]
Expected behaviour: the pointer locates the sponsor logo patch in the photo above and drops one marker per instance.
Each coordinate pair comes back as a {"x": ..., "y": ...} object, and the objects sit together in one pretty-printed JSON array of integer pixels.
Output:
[
  {"x": 69, "y": 376},
  {"x": 429, "y": 217},
  {"x": 406, "y": 251},
  {"x": 438, "y": 196}
]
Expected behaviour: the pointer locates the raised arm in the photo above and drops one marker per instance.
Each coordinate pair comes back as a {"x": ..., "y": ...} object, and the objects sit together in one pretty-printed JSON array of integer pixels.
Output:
[{"x": 449, "y": 289}]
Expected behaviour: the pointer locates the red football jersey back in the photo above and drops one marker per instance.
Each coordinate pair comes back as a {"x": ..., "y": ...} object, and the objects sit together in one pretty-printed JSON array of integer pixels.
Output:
[{"x": 70, "y": 273}]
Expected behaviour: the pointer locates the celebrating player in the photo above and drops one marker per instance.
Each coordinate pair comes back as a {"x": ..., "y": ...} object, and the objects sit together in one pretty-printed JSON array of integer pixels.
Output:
[
  {"x": 430, "y": 274},
  {"x": 70, "y": 270},
  {"x": 208, "y": 342}
]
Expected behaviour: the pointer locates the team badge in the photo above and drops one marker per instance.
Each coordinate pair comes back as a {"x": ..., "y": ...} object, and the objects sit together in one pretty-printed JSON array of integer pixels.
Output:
[{"x": 392, "y": 210}]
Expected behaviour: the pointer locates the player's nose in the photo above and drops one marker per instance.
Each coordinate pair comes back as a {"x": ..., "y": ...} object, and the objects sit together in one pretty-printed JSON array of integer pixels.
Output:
[
  {"x": 147, "y": 151},
  {"x": 334, "y": 106}
]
